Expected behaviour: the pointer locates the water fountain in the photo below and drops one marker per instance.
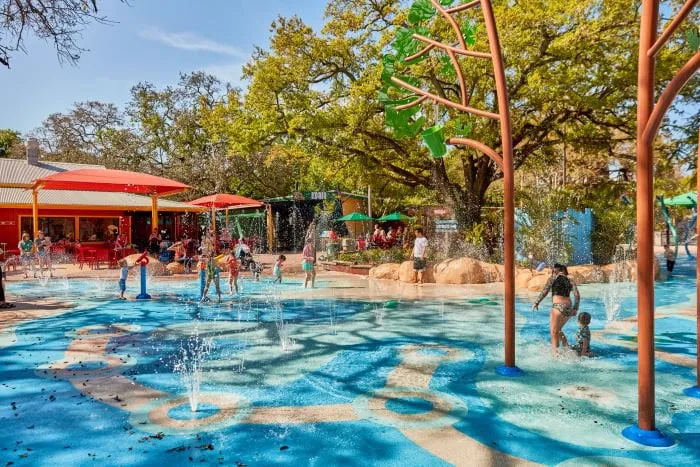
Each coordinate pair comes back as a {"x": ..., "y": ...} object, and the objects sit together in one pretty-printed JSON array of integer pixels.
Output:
[
  {"x": 296, "y": 224},
  {"x": 332, "y": 317},
  {"x": 192, "y": 353}
]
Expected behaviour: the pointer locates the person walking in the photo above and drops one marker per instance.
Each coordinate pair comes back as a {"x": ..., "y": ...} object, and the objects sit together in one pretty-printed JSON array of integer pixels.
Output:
[{"x": 561, "y": 286}]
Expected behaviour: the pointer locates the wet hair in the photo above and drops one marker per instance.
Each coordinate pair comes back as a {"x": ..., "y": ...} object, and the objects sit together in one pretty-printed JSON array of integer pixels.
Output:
[
  {"x": 283, "y": 258},
  {"x": 584, "y": 318},
  {"x": 122, "y": 262},
  {"x": 419, "y": 230},
  {"x": 561, "y": 268}
]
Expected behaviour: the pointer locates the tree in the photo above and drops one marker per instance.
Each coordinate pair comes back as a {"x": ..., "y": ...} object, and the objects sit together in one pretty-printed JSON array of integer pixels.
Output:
[
  {"x": 571, "y": 78},
  {"x": 10, "y": 144},
  {"x": 59, "y": 21}
]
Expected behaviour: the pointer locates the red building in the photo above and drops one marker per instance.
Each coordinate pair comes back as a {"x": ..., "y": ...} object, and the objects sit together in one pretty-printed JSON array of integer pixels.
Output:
[{"x": 86, "y": 216}]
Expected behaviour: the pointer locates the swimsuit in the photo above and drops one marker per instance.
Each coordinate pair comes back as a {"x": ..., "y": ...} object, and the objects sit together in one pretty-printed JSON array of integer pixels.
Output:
[
  {"x": 582, "y": 334},
  {"x": 564, "y": 308}
]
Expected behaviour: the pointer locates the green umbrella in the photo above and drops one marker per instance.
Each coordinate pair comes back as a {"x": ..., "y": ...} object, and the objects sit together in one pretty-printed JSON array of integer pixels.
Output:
[
  {"x": 395, "y": 216},
  {"x": 356, "y": 216},
  {"x": 686, "y": 200}
]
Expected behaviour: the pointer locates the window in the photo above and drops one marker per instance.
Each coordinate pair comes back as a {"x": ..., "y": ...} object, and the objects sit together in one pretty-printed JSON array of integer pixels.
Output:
[
  {"x": 98, "y": 229},
  {"x": 55, "y": 228}
]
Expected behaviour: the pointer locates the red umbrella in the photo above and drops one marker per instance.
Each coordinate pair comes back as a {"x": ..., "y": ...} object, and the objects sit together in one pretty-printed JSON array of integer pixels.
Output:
[
  {"x": 114, "y": 181},
  {"x": 110, "y": 180},
  {"x": 225, "y": 200}
]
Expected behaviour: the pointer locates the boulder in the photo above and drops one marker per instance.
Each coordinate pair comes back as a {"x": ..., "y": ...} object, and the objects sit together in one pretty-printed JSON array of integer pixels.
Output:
[
  {"x": 492, "y": 272},
  {"x": 522, "y": 277},
  {"x": 385, "y": 271},
  {"x": 588, "y": 274},
  {"x": 175, "y": 268},
  {"x": 537, "y": 282},
  {"x": 155, "y": 267},
  {"x": 406, "y": 273},
  {"x": 460, "y": 271}
]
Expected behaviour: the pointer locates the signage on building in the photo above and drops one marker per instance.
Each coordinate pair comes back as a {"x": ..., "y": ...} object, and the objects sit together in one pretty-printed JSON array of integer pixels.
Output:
[
  {"x": 8, "y": 223},
  {"x": 318, "y": 195},
  {"x": 445, "y": 225}
]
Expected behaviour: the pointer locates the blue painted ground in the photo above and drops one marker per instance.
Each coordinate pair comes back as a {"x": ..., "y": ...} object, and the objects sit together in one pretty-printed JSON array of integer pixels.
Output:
[{"x": 343, "y": 352}]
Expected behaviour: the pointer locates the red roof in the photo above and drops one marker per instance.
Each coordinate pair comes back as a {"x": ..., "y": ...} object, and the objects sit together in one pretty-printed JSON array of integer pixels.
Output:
[
  {"x": 115, "y": 181},
  {"x": 225, "y": 200}
]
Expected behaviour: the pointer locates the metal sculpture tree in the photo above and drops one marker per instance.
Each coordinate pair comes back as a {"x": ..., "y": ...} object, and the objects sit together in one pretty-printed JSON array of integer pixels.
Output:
[
  {"x": 400, "y": 113},
  {"x": 650, "y": 114}
]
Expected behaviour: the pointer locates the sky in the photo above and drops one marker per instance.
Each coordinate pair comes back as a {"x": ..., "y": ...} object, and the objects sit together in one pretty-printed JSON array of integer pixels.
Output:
[{"x": 151, "y": 40}]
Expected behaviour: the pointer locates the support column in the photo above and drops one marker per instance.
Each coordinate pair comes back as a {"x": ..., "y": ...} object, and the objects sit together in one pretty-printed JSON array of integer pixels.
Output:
[
  {"x": 509, "y": 368},
  {"x": 644, "y": 432},
  {"x": 694, "y": 391},
  {"x": 35, "y": 212},
  {"x": 270, "y": 229},
  {"x": 154, "y": 212}
]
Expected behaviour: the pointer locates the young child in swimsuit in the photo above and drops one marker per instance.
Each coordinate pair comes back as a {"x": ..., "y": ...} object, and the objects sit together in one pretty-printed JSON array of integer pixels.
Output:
[
  {"x": 583, "y": 336},
  {"x": 232, "y": 265},
  {"x": 277, "y": 270}
]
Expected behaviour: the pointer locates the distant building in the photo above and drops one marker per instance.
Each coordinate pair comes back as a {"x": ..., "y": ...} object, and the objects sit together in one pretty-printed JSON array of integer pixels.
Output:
[{"x": 86, "y": 216}]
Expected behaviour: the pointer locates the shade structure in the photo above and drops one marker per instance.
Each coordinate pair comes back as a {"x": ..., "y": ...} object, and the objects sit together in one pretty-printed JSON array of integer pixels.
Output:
[
  {"x": 686, "y": 200},
  {"x": 107, "y": 180},
  {"x": 111, "y": 181},
  {"x": 355, "y": 217},
  {"x": 395, "y": 217},
  {"x": 225, "y": 200}
]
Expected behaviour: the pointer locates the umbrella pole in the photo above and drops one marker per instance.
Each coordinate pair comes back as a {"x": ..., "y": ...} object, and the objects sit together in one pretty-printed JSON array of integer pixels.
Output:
[
  {"x": 154, "y": 212},
  {"x": 213, "y": 226},
  {"x": 35, "y": 211}
]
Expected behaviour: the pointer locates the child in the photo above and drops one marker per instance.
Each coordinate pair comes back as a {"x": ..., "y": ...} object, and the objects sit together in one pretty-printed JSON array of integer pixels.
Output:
[
  {"x": 123, "y": 276},
  {"x": 212, "y": 275},
  {"x": 419, "y": 246},
  {"x": 26, "y": 249},
  {"x": 670, "y": 258},
  {"x": 277, "y": 270},
  {"x": 257, "y": 270},
  {"x": 583, "y": 336},
  {"x": 42, "y": 246},
  {"x": 232, "y": 265},
  {"x": 308, "y": 263}
]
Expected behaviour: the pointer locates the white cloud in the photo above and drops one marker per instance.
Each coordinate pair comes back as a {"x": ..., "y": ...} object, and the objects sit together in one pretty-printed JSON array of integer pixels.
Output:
[
  {"x": 226, "y": 72},
  {"x": 191, "y": 41}
]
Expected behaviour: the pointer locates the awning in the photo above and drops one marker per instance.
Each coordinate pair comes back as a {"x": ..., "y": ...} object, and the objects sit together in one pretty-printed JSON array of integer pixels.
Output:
[
  {"x": 686, "y": 200},
  {"x": 111, "y": 181}
]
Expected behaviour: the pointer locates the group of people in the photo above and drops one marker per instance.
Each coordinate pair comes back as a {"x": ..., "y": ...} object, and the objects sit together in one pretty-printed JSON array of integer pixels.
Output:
[
  {"x": 561, "y": 285},
  {"x": 381, "y": 238},
  {"x": 35, "y": 254}
]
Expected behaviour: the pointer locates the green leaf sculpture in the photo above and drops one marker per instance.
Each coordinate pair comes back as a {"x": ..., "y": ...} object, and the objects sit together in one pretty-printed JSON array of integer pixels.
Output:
[
  {"x": 420, "y": 11},
  {"x": 693, "y": 37}
]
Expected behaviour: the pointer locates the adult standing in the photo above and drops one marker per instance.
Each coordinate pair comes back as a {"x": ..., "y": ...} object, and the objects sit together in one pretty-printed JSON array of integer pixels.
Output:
[
  {"x": 308, "y": 264},
  {"x": 561, "y": 286},
  {"x": 420, "y": 245},
  {"x": 3, "y": 302}
]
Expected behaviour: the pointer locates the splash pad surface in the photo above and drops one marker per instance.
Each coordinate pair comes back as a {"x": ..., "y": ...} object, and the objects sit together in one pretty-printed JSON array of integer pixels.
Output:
[{"x": 355, "y": 382}]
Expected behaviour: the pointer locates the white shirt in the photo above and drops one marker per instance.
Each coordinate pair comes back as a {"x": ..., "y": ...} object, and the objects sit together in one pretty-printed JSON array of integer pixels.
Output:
[
  {"x": 124, "y": 273},
  {"x": 419, "y": 247}
]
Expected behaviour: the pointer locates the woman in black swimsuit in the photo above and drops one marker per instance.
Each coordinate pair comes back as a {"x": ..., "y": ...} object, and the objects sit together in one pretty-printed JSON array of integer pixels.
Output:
[{"x": 561, "y": 286}]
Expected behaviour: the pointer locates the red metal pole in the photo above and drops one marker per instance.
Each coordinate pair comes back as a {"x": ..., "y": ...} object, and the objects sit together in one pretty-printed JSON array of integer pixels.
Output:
[
  {"x": 508, "y": 183},
  {"x": 645, "y": 219}
]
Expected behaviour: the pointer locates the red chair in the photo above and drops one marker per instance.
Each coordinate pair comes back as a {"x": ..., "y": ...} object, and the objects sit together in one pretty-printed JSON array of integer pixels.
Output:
[{"x": 86, "y": 256}]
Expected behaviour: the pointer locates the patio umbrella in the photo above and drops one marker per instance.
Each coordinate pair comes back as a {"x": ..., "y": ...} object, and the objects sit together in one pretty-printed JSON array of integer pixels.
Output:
[
  {"x": 355, "y": 217},
  {"x": 224, "y": 200},
  {"x": 395, "y": 217},
  {"x": 106, "y": 180},
  {"x": 686, "y": 200}
]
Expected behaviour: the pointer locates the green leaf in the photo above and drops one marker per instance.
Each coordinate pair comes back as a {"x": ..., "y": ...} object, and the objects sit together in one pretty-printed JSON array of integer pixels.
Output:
[
  {"x": 446, "y": 2},
  {"x": 469, "y": 30},
  {"x": 463, "y": 129},
  {"x": 421, "y": 10},
  {"x": 447, "y": 69},
  {"x": 693, "y": 37},
  {"x": 404, "y": 44}
]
